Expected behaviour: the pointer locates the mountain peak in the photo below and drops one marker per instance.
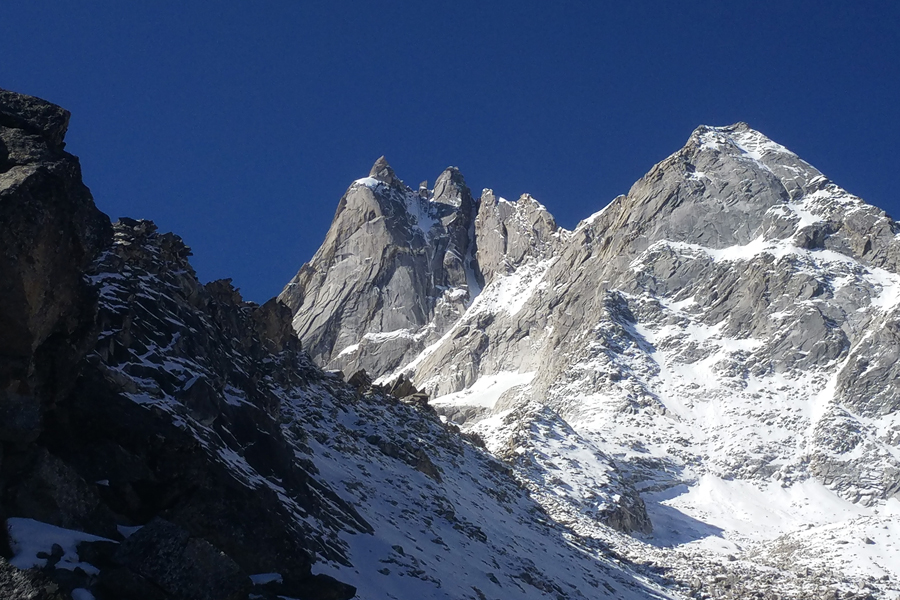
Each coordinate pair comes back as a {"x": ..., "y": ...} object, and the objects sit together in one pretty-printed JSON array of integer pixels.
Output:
[
  {"x": 450, "y": 188},
  {"x": 738, "y": 138},
  {"x": 739, "y": 127},
  {"x": 383, "y": 172}
]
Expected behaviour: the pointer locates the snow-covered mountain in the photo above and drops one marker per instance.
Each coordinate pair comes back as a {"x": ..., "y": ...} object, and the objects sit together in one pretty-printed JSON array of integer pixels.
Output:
[
  {"x": 692, "y": 394},
  {"x": 709, "y": 363}
]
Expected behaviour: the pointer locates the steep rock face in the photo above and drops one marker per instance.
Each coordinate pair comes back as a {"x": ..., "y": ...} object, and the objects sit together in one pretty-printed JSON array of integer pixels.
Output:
[
  {"x": 176, "y": 415},
  {"x": 645, "y": 288},
  {"x": 724, "y": 330},
  {"x": 509, "y": 233},
  {"x": 51, "y": 232},
  {"x": 783, "y": 294},
  {"x": 396, "y": 267},
  {"x": 79, "y": 453}
]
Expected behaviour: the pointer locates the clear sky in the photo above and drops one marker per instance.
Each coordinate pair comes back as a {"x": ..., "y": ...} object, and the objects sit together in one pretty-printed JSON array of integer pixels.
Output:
[{"x": 239, "y": 125}]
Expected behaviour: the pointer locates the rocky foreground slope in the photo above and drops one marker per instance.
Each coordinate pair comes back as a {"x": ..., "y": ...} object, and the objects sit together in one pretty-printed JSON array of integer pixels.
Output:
[
  {"x": 709, "y": 363},
  {"x": 162, "y": 439}
]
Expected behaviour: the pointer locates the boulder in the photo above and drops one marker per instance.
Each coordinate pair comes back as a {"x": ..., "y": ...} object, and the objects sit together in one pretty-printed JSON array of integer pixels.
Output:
[
  {"x": 181, "y": 566},
  {"x": 52, "y": 492}
]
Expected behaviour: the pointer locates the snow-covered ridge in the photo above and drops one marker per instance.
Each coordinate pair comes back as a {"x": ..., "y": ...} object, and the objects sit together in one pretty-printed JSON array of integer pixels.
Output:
[
  {"x": 369, "y": 182},
  {"x": 751, "y": 143}
]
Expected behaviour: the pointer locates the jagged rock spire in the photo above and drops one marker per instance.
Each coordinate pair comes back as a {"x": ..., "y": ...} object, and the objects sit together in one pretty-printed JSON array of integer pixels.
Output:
[
  {"x": 382, "y": 171},
  {"x": 360, "y": 283},
  {"x": 450, "y": 187}
]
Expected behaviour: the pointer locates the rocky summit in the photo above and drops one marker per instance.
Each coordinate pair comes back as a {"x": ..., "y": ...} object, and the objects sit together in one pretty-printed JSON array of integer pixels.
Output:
[{"x": 693, "y": 394}]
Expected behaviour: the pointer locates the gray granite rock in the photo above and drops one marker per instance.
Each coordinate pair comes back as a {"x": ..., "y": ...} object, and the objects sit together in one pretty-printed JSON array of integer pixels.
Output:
[{"x": 395, "y": 268}]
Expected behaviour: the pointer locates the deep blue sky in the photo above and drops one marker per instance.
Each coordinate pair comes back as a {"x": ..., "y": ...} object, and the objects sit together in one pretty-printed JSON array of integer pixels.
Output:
[{"x": 239, "y": 125}]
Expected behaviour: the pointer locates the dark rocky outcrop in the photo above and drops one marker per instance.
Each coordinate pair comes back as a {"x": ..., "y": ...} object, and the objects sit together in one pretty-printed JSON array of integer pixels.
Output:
[
  {"x": 177, "y": 413},
  {"x": 132, "y": 394},
  {"x": 47, "y": 489},
  {"x": 34, "y": 116},
  {"x": 51, "y": 231}
]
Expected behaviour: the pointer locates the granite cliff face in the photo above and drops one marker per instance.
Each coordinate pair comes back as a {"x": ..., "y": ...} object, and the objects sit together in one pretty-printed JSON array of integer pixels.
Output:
[
  {"x": 399, "y": 266},
  {"x": 718, "y": 345},
  {"x": 405, "y": 259}
]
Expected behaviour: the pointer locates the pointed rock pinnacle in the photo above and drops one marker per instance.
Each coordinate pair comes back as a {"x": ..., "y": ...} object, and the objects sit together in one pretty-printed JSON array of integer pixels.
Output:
[{"x": 382, "y": 171}]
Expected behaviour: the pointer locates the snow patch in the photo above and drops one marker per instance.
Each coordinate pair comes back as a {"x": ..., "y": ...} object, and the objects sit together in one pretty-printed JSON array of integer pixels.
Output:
[
  {"x": 369, "y": 182},
  {"x": 264, "y": 578},
  {"x": 486, "y": 390},
  {"x": 29, "y": 538},
  {"x": 761, "y": 511},
  {"x": 510, "y": 293},
  {"x": 421, "y": 212}
]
